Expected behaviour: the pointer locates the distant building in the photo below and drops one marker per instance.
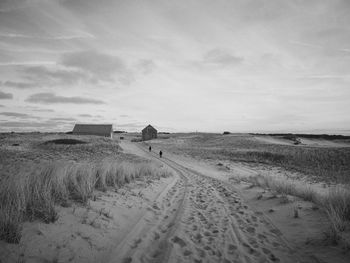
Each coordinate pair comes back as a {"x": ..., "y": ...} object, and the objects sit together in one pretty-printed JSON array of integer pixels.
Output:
[
  {"x": 149, "y": 133},
  {"x": 105, "y": 130}
]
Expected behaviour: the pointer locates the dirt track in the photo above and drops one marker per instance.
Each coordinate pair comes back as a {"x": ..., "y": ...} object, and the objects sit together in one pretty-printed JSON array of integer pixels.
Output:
[{"x": 202, "y": 219}]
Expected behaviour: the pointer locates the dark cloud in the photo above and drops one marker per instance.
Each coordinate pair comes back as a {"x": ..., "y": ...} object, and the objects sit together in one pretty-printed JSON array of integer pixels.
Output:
[
  {"x": 99, "y": 65},
  {"x": 30, "y": 124},
  {"x": 124, "y": 116},
  {"x": 63, "y": 119},
  {"x": 2, "y": 106},
  {"x": 19, "y": 85},
  {"x": 47, "y": 98},
  {"x": 24, "y": 124},
  {"x": 221, "y": 57},
  {"x": 18, "y": 115},
  {"x": 7, "y": 5},
  {"x": 4, "y": 95},
  {"x": 44, "y": 75},
  {"x": 85, "y": 115}
]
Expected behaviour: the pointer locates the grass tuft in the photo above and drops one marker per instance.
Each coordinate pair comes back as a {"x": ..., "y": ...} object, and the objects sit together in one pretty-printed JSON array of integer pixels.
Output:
[
  {"x": 34, "y": 195},
  {"x": 336, "y": 203}
]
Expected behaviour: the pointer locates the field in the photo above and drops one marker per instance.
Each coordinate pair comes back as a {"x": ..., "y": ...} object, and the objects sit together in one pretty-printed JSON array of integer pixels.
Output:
[
  {"x": 321, "y": 163},
  {"x": 210, "y": 198},
  {"x": 314, "y": 169}
]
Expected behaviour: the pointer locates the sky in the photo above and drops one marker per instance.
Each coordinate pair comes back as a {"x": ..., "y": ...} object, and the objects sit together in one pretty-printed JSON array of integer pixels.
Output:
[{"x": 184, "y": 65}]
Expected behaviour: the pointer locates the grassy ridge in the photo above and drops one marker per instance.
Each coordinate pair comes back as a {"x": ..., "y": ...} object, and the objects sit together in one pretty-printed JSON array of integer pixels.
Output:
[
  {"x": 35, "y": 194},
  {"x": 336, "y": 202},
  {"x": 327, "y": 164}
]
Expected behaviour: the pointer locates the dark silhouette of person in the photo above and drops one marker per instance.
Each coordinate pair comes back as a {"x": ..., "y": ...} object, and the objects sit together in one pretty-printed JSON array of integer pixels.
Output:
[
  {"x": 160, "y": 154},
  {"x": 150, "y": 148}
]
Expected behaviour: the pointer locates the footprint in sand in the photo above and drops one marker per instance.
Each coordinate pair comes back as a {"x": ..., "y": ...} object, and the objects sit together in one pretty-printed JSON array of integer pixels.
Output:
[
  {"x": 207, "y": 233},
  {"x": 156, "y": 236},
  {"x": 136, "y": 243},
  {"x": 251, "y": 250},
  {"x": 201, "y": 252},
  {"x": 251, "y": 230},
  {"x": 127, "y": 260},
  {"x": 179, "y": 241}
]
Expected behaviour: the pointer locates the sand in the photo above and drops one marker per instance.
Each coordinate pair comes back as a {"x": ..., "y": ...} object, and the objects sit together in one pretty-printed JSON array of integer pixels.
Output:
[{"x": 200, "y": 214}]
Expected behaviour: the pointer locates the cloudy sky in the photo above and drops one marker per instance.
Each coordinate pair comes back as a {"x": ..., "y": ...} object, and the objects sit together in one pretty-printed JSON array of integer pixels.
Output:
[{"x": 184, "y": 65}]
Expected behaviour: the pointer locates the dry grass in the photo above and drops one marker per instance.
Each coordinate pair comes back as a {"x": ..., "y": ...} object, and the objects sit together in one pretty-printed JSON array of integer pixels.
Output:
[
  {"x": 336, "y": 202},
  {"x": 284, "y": 186},
  {"x": 320, "y": 163},
  {"x": 35, "y": 194}
]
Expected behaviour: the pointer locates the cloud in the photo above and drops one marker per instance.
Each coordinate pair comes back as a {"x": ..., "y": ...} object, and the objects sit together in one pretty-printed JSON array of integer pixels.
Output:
[
  {"x": 47, "y": 98},
  {"x": 145, "y": 66},
  {"x": 4, "y": 95},
  {"x": 61, "y": 37},
  {"x": 30, "y": 124},
  {"x": 7, "y": 5},
  {"x": 99, "y": 65},
  {"x": 124, "y": 116},
  {"x": 221, "y": 58},
  {"x": 18, "y": 115},
  {"x": 44, "y": 75},
  {"x": 62, "y": 119},
  {"x": 72, "y": 68},
  {"x": 19, "y": 85},
  {"x": 90, "y": 116},
  {"x": 1, "y": 106},
  {"x": 43, "y": 110},
  {"x": 306, "y": 44},
  {"x": 132, "y": 125}
]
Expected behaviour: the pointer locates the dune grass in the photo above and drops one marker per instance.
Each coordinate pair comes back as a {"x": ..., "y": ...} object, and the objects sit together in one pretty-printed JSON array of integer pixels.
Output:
[
  {"x": 319, "y": 163},
  {"x": 335, "y": 202},
  {"x": 34, "y": 195}
]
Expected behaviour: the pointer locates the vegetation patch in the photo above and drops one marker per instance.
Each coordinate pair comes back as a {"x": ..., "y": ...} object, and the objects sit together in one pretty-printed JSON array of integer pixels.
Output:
[
  {"x": 335, "y": 203},
  {"x": 34, "y": 195},
  {"x": 322, "y": 164},
  {"x": 65, "y": 141},
  {"x": 309, "y": 136}
]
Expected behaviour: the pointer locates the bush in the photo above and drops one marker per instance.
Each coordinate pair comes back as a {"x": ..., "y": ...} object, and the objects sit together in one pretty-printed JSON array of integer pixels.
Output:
[{"x": 65, "y": 141}]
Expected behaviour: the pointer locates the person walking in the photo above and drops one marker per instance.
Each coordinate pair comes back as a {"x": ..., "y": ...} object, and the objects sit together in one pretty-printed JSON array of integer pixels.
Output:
[
  {"x": 160, "y": 153},
  {"x": 150, "y": 149}
]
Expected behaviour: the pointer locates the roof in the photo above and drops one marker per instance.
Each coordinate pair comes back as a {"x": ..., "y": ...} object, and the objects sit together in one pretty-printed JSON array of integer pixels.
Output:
[
  {"x": 93, "y": 128},
  {"x": 149, "y": 127}
]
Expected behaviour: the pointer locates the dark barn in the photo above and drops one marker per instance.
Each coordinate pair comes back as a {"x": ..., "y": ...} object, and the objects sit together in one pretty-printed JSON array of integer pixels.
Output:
[{"x": 149, "y": 133}]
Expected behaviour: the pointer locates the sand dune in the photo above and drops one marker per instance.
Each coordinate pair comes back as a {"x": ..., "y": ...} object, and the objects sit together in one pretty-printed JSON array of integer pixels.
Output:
[{"x": 200, "y": 214}]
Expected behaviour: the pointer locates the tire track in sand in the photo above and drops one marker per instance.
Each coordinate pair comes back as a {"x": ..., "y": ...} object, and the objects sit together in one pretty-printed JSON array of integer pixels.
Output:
[{"x": 202, "y": 219}]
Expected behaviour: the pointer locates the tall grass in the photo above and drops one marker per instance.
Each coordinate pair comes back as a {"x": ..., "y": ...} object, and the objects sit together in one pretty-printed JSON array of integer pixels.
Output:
[
  {"x": 335, "y": 203},
  {"x": 285, "y": 186},
  {"x": 35, "y": 194}
]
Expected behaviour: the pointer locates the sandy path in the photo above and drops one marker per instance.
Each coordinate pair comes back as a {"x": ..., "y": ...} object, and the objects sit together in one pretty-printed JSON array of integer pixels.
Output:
[{"x": 202, "y": 219}]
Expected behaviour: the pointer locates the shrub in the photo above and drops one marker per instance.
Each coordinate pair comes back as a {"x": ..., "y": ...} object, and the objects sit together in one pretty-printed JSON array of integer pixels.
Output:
[{"x": 65, "y": 141}]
